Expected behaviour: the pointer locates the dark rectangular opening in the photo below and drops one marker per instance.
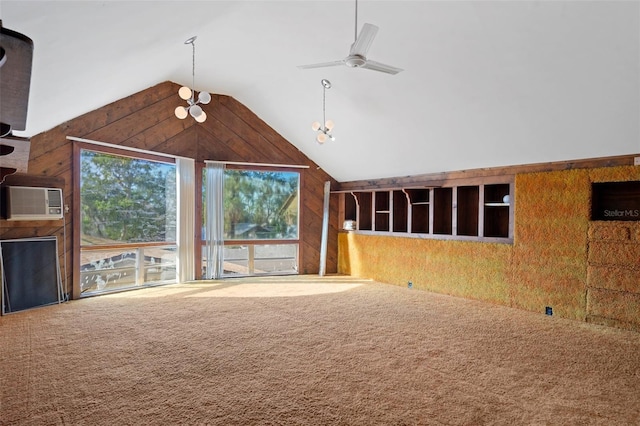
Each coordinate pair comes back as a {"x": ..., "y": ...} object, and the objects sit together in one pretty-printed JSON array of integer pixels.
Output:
[
  {"x": 382, "y": 211},
  {"x": 615, "y": 201},
  {"x": 419, "y": 210},
  {"x": 442, "y": 210},
  {"x": 467, "y": 210},
  {"x": 364, "y": 201},
  {"x": 496, "y": 210},
  {"x": 399, "y": 211},
  {"x": 349, "y": 207}
]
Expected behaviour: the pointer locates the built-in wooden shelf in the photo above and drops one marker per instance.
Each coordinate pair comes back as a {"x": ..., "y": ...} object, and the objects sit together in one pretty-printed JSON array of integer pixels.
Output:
[{"x": 476, "y": 211}]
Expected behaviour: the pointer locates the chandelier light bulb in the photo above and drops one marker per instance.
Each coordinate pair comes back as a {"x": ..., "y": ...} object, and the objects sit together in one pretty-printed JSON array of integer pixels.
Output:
[
  {"x": 181, "y": 112},
  {"x": 329, "y": 125},
  {"x": 204, "y": 98},
  {"x": 315, "y": 126},
  {"x": 321, "y": 138},
  {"x": 195, "y": 111},
  {"x": 202, "y": 117},
  {"x": 184, "y": 93}
]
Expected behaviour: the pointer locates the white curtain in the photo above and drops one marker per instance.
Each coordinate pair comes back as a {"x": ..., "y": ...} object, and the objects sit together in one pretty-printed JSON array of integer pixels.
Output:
[
  {"x": 214, "y": 196},
  {"x": 185, "y": 181}
]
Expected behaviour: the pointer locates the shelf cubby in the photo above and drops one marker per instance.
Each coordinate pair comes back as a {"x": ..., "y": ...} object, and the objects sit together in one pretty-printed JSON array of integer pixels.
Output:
[
  {"x": 365, "y": 221},
  {"x": 496, "y": 210},
  {"x": 419, "y": 209},
  {"x": 442, "y": 210},
  {"x": 467, "y": 210},
  {"x": 382, "y": 210},
  {"x": 350, "y": 207},
  {"x": 400, "y": 211},
  {"x": 476, "y": 211}
]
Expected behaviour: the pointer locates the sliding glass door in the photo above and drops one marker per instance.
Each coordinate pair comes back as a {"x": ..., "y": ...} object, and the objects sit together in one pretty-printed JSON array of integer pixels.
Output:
[
  {"x": 260, "y": 229},
  {"x": 128, "y": 222}
]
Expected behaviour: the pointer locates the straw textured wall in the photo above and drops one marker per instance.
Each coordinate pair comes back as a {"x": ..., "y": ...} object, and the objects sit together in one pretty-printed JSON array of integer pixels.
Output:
[
  {"x": 613, "y": 274},
  {"x": 460, "y": 268},
  {"x": 560, "y": 259},
  {"x": 550, "y": 249}
]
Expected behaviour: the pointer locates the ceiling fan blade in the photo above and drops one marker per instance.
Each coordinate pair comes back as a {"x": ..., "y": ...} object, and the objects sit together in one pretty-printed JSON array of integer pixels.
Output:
[
  {"x": 363, "y": 42},
  {"x": 377, "y": 66},
  {"x": 322, "y": 65}
]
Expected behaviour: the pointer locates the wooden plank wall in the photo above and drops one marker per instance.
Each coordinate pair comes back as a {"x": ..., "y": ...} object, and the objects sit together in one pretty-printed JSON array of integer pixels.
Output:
[
  {"x": 480, "y": 176},
  {"x": 146, "y": 120}
]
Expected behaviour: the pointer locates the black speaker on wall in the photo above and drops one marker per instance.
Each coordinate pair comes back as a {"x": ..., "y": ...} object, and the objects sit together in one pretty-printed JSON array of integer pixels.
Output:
[{"x": 30, "y": 273}]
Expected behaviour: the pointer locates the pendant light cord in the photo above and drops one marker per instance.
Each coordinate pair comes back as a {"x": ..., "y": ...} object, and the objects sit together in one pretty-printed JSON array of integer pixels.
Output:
[
  {"x": 324, "y": 116},
  {"x": 355, "y": 38},
  {"x": 193, "y": 71}
]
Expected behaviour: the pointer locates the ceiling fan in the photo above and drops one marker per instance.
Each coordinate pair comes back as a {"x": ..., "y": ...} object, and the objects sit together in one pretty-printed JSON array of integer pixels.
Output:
[{"x": 357, "y": 57}]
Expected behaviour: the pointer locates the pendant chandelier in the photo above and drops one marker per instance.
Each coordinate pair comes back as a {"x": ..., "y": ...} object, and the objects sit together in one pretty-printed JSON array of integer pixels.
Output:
[
  {"x": 324, "y": 131},
  {"x": 188, "y": 94}
]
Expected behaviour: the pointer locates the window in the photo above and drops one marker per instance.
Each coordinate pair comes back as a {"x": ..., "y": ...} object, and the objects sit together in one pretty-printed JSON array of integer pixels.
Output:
[
  {"x": 128, "y": 222},
  {"x": 260, "y": 205},
  {"x": 261, "y": 222}
]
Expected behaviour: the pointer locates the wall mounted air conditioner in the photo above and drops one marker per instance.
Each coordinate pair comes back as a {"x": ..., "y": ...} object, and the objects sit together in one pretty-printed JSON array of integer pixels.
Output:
[{"x": 29, "y": 203}]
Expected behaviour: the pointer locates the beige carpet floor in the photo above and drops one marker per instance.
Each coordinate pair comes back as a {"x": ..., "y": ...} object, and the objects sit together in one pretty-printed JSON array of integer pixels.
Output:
[{"x": 310, "y": 351}]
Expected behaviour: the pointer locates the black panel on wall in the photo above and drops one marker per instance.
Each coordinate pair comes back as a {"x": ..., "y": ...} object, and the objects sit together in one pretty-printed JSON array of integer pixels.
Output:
[
  {"x": 30, "y": 273},
  {"x": 615, "y": 201}
]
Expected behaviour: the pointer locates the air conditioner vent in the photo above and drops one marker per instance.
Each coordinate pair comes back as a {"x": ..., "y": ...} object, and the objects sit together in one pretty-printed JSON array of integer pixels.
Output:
[
  {"x": 28, "y": 203},
  {"x": 55, "y": 198}
]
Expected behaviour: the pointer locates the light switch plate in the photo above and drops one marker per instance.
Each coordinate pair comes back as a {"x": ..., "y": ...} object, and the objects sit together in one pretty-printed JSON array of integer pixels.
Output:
[{"x": 636, "y": 161}]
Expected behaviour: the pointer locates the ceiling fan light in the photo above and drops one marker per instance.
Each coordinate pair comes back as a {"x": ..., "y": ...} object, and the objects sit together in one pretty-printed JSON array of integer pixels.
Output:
[
  {"x": 204, "y": 98},
  {"x": 195, "y": 111},
  {"x": 315, "y": 126},
  {"x": 184, "y": 93},
  {"x": 321, "y": 138},
  {"x": 329, "y": 125},
  {"x": 201, "y": 118},
  {"x": 181, "y": 112}
]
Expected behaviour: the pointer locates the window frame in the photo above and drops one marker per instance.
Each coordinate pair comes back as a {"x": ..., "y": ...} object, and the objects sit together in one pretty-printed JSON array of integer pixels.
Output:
[
  {"x": 200, "y": 174},
  {"x": 78, "y": 147}
]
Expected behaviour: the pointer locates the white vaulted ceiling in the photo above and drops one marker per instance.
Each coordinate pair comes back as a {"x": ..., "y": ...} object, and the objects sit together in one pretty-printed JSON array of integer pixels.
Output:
[{"x": 485, "y": 83}]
